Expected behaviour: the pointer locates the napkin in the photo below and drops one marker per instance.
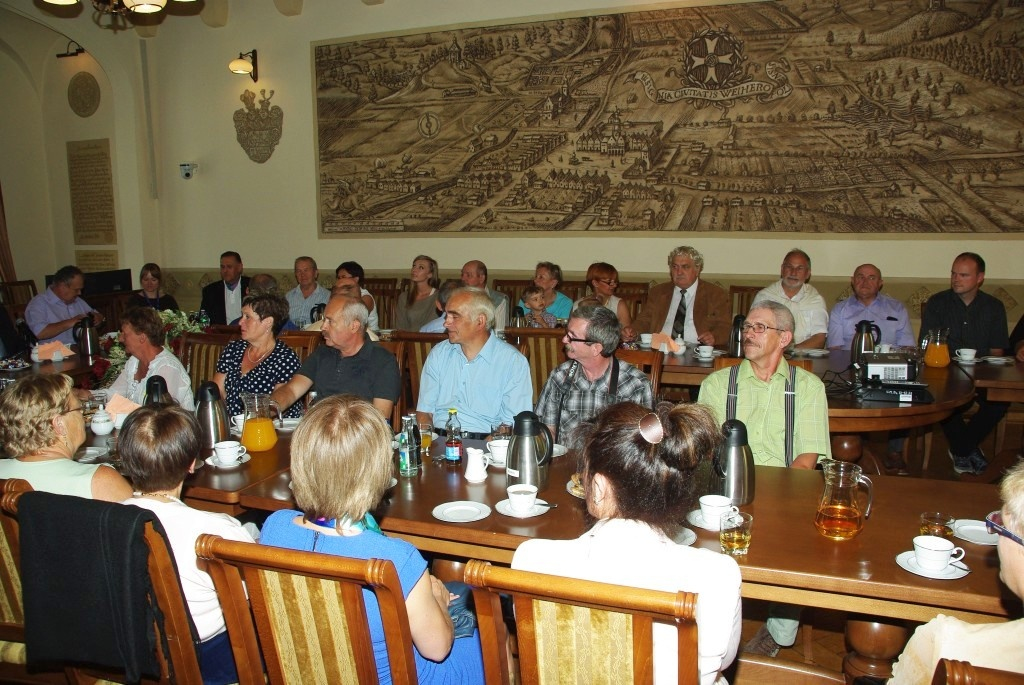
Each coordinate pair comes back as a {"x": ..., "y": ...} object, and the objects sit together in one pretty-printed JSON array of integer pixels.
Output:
[
  {"x": 659, "y": 339},
  {"x": 46, "y": 350},
  {"x": 118, "y": 405}
]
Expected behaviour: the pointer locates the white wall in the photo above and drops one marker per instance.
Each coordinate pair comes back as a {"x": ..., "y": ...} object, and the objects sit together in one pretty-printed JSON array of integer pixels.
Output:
[{"x": 268, "y": 211}]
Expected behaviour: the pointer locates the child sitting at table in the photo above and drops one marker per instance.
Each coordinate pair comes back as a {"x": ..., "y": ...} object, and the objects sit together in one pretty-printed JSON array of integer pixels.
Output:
[{"x": 536, "y": 316}]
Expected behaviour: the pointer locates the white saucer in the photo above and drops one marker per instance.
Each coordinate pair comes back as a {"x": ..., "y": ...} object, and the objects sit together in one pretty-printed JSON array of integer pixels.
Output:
[
  {"x": 717, "y": 353},
  {"x": 212, "y": 461},
  {"x": 558, "y": 450},
  {"x": 974, "y": 531},
  {"x": 695, "y": 518},
  {"x": 87, "y": 455},
  {"x": 461, "y": 512},
  {"x": 817, "y": 353},
  {"x": 908, "y": 562},
  {"x": 288, "y": 425},
  {"x": 968, "y": 362},
  {"x": 998, "y": 360},
  {"x": 685, "y": 537},
  {"x": 704, "y": 359},
  {"x": 505, "y": 508},
  {"x": 568, "y": 488}
]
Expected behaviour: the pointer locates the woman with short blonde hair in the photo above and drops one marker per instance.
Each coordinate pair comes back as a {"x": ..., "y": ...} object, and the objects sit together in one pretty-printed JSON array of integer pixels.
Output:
[{"x": 42, "y": 428}]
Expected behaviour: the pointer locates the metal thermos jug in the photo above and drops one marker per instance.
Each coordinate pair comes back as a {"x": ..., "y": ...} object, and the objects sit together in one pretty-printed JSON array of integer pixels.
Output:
[
  {"x": 156, "y": 391},
  {"x": 736, "y": 337},
  {"x": 734, "y": 464},
  {"x": 865, "y": 338},
  {"x": 529, "y": 451},
  {"x": 86, "y": 337},
  {"x": 212, "y": 415}
]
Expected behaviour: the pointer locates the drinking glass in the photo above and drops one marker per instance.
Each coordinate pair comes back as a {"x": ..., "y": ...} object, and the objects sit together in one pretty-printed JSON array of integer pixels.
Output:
[
  {"x": 936, "y": 523},
  {"x": 735, "y": 532}
]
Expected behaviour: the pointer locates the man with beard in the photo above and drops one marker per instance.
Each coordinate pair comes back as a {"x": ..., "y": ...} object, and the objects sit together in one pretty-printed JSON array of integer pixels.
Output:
[{"x": 760, "y": 384}]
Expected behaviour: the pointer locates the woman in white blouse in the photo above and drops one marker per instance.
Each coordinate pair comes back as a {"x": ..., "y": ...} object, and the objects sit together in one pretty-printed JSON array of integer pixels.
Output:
[
  {"x": 142, "y": 333},
  {"x": 638, "y": 479}
]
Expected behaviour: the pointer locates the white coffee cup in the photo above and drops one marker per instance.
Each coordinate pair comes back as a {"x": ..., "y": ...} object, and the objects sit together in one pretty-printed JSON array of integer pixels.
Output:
[
  {"x": 646, "y": 338},
  {"x": 236, "y": 422},
  {"x": 498, "y": 450},
  {"x": 966, "y": 353},
  {"x": 228, "y": 452},
  {"x": 705, "y": 351},
  {"x": 712, "y": 507},
  {"x": 522, "y": 497},
  {"x": 935, "y": 553},
  {"x": 476, "y": 464}
]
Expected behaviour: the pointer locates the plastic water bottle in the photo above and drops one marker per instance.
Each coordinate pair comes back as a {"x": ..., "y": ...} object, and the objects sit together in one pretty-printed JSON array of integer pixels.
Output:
[
  {"x": 406, "y": 455},
  {"x": 453, "y": 438}
]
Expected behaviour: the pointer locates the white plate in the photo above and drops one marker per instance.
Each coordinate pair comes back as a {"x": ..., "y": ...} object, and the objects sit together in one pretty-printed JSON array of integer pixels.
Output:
[
  {"x": 908, "y": 562},
  {"x": 88, "y": 455},
  {"x": 998, "y": 360},
  {"x": 685, "y": 537},
  {"x": 14, "y": 364},
  {"x": 558, "y": 450},
  {"x": 695, "y": 518},
  {"x": 568, "y": 488},
  {"x": 288, "y": 425},
  {"x": 461, "y": 512},
  {"x": 965, "y": 362},
  {"x": 212, "y": 461},
  {"x": 974, "y": 531},
  {"x": 817, "y": 353},
  {"x": 505, "y": 508}
]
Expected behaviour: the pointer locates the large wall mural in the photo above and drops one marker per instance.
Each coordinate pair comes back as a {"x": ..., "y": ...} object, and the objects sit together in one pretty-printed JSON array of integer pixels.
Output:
[{"x": 851, "y": 116}]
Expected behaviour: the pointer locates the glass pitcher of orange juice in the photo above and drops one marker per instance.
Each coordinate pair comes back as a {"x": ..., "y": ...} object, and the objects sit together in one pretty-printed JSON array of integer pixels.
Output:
[
  {"x": 840, "y": 513},
  {"x": 936, "y": 353},
  {"x": 258, "y": 432}
]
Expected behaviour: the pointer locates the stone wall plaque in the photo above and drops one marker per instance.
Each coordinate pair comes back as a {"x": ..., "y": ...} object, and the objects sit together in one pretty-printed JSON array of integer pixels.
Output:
[
  {"x": 92, "y": 192},
  {"x": 84, "y": 94},
  {"x": 258, "y": 129},
  {"x": 96, "y": 260}
]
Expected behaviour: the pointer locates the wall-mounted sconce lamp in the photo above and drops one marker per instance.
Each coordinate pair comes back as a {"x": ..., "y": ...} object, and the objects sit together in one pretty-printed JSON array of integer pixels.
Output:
[
  {"x": 68, "y": 52},
  {"x": 245, "y": 66}
]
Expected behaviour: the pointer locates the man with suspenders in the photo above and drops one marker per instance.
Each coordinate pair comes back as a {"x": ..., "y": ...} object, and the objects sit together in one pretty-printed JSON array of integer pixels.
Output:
[{"x": 786, "y": 414}]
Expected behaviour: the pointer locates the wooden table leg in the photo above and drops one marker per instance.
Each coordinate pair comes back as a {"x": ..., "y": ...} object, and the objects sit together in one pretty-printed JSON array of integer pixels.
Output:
[{"x": 874, "y": 646}]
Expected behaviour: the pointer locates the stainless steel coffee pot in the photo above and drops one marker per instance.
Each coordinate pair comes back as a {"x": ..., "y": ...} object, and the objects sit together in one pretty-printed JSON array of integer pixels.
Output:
[
  {"x": 86, "y": 337},
  {"x": 529, "y": 451},
  {"x": 212, "y": 415},
  {"x": 734, "y": 464},
  {"x": 864, "y": 340}
]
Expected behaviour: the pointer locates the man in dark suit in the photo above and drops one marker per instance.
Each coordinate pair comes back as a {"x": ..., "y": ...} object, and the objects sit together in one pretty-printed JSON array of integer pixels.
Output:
[
  {"x": 698, "y": 311},
  {"x": 222, "y": 301}
]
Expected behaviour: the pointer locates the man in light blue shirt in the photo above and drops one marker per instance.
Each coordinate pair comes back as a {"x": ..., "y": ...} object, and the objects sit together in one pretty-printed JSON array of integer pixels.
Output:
[
  {"x": 485, "y": 378},
  {"x": 443, "y": 294},
  {"x": 53, "y": 313},
  {"x": 307, "y": 294},
  {"x": 867, "y": 303}
]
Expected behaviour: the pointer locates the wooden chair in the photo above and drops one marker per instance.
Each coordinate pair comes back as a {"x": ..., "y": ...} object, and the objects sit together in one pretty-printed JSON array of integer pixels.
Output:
[
  {"x": 17, "y": 292},
  {"x": 200, "y": 352},
  {"x": 302, "y": 342},
  {"x": 225, "y": 329},
  {"x": 513, "y": 287},
  {"x": 635, "y": 303},
  {"x": 385, "y": 293},
  {"x": 573, "y": 630},
  {"x": 648, "y": 361},
  {"x": 574, "y": 290},
  {"x": 751, "y": 669},
  {"x": 308, "y": 613},
  {"x": 742, "y": 297},
  {"x": 546, "y": 352},
  {"x": 179, "y": 665},
  {"x": 952, "y": 672},
  {"x": 397, "y": 348},
  {"x": 417, "y": 347}
]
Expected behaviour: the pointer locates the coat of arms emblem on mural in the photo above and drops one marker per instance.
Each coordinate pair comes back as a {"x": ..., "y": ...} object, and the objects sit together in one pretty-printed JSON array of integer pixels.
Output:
[
  {"x": 258, "y": 129},
  {"x": 715, "y": 71}
]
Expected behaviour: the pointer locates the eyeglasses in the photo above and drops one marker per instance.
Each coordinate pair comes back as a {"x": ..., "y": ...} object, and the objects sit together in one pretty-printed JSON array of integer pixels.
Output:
[
  {"x": 610, "y": 282},
  {"x": 994, "y": 521},
  {"x": 571, "y": 338},
  {"x": 758, "y": 328},
  {"x": 80, "y": 408}
]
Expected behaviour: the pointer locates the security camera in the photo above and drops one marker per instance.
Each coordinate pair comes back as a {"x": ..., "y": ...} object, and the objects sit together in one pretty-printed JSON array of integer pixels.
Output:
[{"x": 188, "y": 169}]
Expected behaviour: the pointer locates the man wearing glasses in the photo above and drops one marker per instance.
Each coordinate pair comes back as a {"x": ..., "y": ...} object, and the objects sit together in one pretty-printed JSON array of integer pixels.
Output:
[
  {"x": 990, "y": 645},
  {"x": 593, "y": 378},
  {"x": 802, "y": 298},
  {"x": 794, "y": 436},
  {"x": 687, "y": 307}
]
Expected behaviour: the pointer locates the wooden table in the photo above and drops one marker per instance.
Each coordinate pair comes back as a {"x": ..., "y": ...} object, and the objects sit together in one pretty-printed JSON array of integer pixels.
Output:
[
  {"x": 214, "y": 488},
  {"x": 1003, "y": 382},
  {"x": 74, "y": 366}
]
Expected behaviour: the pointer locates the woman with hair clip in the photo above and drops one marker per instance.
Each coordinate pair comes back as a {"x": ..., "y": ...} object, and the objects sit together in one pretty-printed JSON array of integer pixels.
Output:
[{"x": 638, "y": 471}]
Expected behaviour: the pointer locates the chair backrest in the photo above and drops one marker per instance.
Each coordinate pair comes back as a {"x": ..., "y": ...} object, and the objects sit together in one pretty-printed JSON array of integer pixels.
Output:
[
  {"x": 180, "y": 664},
  {"x": 200, "y": 352},
  {"x": 724, "y": 362},
  {"x": 648, "y": 361},
  {"x": 952, "y": 672},
  {"x": 513, "y": 287},
  {"x": 573, "y": 630},
  {"x": 17, "y": 292},
  {"x": 742, "y": 297},
  {"x": 12, "y": 609},
  {"x": 385, "y": 293},
  {"x": 574, "y": 290},
  {"x": 308, "y": 613},
  {"x": 546, "y": 352},
  {"x": 397, "y": 348},
  {"x": 635, "y": 303},
  {"x": 302, "y": 342},
  {"x": 417, "y": 347}
]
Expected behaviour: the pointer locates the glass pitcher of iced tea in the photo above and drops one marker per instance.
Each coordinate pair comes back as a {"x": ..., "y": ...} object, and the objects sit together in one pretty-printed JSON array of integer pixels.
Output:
[
  {"x": 937, "y": 351},
  {"x": 840, "y": 513},
  {"x": 258, "y": 432}
]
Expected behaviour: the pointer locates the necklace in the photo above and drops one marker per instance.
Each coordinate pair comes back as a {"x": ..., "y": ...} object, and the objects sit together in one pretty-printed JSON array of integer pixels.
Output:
[
  {"x": 156, "y": 495},
  {"x": 260, "y": 358}
]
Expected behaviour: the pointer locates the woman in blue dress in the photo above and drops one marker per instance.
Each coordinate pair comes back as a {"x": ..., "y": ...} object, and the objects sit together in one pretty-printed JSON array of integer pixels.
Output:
[{"x": 341, "y": 467}]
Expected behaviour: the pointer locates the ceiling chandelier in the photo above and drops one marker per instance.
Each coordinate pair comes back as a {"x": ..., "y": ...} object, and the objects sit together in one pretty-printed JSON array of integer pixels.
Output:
[{"x": 118, "y": 12}]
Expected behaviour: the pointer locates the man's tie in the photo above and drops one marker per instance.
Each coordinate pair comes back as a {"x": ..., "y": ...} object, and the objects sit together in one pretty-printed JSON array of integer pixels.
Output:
[{"x": 680, "y": 321}]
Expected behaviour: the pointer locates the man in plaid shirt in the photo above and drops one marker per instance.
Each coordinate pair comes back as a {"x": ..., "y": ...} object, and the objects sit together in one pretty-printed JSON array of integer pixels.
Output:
[{"x": 593, "y": 378}]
